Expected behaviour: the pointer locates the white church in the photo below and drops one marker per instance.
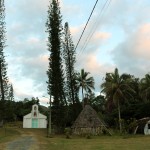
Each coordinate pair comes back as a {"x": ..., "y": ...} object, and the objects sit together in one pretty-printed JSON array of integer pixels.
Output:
[{"x": 35, "y": 119}]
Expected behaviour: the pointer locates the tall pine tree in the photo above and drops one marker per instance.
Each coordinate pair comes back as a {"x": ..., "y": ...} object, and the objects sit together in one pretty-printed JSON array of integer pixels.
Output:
[
  {"x": 3, "y": 65},
  {"x": 55, "y": 70},
  {"x": 69, "y": 56},
  {"x": 70, "y": 59},
  {"x": 11, "y": 92}
]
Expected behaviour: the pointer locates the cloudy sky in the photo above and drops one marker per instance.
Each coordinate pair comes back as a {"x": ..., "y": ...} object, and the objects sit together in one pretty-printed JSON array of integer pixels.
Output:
[{"x": 118, "y": 35}]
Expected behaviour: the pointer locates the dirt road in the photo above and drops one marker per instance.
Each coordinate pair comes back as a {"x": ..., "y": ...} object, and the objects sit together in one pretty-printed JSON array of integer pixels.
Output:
[{"x": 25, "y": 142}]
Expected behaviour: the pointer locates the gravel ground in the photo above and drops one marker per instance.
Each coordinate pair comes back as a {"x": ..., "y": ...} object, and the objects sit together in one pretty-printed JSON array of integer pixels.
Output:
[{"x": 23, "y": 143}]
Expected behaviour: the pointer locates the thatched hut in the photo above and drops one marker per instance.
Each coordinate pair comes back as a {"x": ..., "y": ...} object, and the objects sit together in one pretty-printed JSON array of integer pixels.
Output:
[
  {"x": 88, "y": 122},
  {"x": 143, "y": 126}
]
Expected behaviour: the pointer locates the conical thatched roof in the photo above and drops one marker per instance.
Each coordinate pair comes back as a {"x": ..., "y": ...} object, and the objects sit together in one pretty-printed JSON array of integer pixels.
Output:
[{"x": 88, "y": 118}]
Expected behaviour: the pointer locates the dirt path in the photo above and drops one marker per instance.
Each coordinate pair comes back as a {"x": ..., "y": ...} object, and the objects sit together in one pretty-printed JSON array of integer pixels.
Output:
[{"x": 25, "y": 142}]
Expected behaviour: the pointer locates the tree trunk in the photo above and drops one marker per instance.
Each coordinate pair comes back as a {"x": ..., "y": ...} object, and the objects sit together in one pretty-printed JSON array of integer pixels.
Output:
[
  {"x": 1, "y": 81},
  {"x": 82, "y": 98},
  {"x": 119, "y": 115}
]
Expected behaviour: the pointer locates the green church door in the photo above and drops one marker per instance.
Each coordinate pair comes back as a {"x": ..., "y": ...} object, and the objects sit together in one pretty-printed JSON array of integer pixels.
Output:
[{"x": 34, "y": 123}]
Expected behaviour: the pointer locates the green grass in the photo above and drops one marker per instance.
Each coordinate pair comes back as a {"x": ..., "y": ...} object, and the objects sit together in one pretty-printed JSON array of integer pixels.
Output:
[
  {"x": 59, "y": 142},
  {"x": 115, "y": 142},
  {"x": 100, "y": 143},
  {"x": 7, "y": 134}
]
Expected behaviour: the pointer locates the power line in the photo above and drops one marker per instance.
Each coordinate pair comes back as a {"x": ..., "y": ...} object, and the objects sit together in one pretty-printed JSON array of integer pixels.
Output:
[
  {"x": 105, "y": 6},
  {"x": 86, "y": 25},
  {"x": 96, "y": 24}
]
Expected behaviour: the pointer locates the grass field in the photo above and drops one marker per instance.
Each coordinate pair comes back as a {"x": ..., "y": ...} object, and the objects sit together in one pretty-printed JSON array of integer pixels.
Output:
[
  {"x": 6, "y": 135},
  {"x": 130, "y": 142},
  {"x": 100, "y": 143}
]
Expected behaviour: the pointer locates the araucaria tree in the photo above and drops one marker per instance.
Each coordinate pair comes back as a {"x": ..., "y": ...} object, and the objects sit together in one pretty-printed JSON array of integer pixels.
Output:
[
  {"x": 69, "y": 59},
  {"x": 11, "y": 93},
  {"x": 55, "y": 69},
  {"x": 3, "y": 65}
]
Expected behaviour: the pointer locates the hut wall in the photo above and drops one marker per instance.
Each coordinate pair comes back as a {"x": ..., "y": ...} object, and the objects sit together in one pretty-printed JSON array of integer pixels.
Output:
[{"x": 84, "y": 131}]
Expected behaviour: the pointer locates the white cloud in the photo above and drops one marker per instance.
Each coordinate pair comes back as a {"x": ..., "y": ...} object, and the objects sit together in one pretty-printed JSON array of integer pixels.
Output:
[
  {"x": 27, "y": 48},
  {"x": 133, "y": 54}
]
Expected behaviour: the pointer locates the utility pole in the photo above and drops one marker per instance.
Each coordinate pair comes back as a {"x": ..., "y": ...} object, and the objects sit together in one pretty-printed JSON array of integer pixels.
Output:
[
  {"x": 49, "y": 130},
  {"x": 50, "y": 122}
]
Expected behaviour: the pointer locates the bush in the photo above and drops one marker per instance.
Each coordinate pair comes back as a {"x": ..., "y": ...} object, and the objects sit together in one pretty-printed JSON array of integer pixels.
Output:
[
  {"x": 88, "y": 136},
  {"x": 68, "y": 133}
]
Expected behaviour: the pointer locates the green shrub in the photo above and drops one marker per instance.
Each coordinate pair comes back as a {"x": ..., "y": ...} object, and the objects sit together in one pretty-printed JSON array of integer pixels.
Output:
[{"x": 68, "y": 133}]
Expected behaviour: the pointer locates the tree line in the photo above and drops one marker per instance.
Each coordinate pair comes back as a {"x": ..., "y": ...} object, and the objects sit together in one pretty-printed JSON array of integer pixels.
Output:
[{"x": 127, "y": 96}]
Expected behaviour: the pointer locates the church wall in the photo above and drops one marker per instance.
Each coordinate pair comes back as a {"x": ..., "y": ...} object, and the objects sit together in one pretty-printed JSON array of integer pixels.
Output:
[
  {"x": 27, "y": 123},
  {"x": 29, "y": 118},
  {"x": 42, "y": 123}
]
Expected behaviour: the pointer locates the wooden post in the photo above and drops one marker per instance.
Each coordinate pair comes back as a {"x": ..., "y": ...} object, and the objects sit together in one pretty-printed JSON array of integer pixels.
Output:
[{"x": 49, "y": 127}]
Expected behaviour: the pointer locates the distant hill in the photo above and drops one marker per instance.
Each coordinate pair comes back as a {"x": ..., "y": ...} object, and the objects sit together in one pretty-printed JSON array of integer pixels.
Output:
[{"x": 43, "y": 109}]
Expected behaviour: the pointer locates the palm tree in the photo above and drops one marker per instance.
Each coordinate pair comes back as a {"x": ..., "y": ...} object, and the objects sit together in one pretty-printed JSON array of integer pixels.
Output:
[
  {"x": 84, "y": 82},
  {"x": 145, "y": 87},
  {"x": 116, "y": 89}
]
